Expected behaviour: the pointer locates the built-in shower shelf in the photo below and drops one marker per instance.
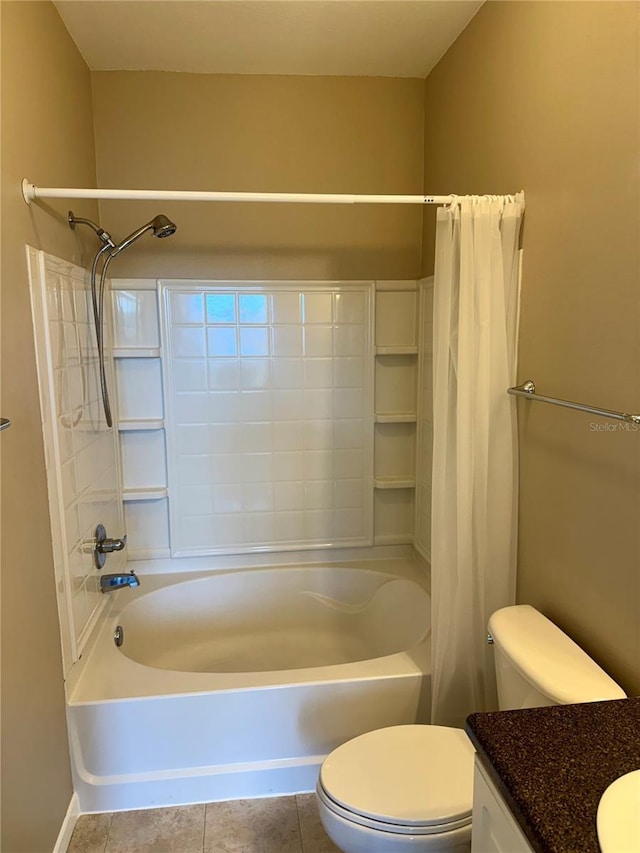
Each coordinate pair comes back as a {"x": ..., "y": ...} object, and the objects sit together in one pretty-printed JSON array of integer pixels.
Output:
[
  {"x": 396, "y": 417},
  {"x": 394, "y": 539},
  {"x": 394, "y": 482},
  {"x": 153, "y": 493},
  {"x": 413, "y": 350},
  {"x": 140, "y": 424},
  {"x": 136, "y": 352}
]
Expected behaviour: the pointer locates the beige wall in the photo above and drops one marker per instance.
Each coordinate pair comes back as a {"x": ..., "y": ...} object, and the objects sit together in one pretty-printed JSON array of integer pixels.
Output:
[
  {"x": 190, "y": 131},
  {"x": 47, "y": 136},
  {"x": 544, "y": 97},
  {"x": 271, "y": 134},
  {"x": 539, "y": 96}
]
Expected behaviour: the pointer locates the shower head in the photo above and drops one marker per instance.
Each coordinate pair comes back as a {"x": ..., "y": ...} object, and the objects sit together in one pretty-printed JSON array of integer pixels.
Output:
[
  {"x": 163, "y": 227},
  {"x": 102, "y": 234},
  {"x": 160, "y": 225}
]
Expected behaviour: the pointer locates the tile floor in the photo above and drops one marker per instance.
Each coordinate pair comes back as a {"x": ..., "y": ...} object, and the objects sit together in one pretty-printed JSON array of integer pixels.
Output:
[{"x": 274, "y": 825}]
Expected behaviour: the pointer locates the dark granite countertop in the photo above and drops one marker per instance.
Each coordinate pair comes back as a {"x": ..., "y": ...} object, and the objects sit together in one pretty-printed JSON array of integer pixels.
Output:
[{"x": 553, "y": 764}]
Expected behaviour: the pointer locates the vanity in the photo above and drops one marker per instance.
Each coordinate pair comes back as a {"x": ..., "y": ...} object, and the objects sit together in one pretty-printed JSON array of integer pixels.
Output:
[{"x": 540, "y": 774}]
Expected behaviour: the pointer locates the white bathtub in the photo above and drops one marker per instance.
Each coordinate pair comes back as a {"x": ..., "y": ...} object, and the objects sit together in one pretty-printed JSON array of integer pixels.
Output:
[{"x": 237, "y": 684}]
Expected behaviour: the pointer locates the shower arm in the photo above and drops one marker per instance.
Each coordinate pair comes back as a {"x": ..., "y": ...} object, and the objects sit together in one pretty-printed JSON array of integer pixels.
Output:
[{"x": 74, "y": 220}]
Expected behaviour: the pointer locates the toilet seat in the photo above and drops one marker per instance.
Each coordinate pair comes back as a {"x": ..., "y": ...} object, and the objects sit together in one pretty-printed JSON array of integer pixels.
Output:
[
  {"x": 412, "y": 830},
  {"x": 413, "y": 780}
]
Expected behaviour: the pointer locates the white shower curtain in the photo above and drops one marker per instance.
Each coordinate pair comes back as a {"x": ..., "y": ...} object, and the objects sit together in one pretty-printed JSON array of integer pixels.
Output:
[{"x": 474, "y": 488}]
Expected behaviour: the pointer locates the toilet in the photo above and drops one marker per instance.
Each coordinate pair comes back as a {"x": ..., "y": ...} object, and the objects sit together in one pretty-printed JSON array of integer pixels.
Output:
[{"x": 410, "y": 787}]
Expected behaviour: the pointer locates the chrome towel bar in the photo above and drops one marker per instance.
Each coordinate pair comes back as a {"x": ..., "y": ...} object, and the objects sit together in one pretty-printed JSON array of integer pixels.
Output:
[{"x": 528, "y": 391}]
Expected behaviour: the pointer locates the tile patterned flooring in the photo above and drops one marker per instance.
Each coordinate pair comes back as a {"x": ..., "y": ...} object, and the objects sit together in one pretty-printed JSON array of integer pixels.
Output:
[{"x": 273, "y": 825}]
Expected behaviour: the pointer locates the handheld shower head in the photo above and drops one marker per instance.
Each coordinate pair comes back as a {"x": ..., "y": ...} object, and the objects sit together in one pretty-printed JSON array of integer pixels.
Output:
[
  {"x": 160, "y": 225},
  {"x": 163, "y": 227}
]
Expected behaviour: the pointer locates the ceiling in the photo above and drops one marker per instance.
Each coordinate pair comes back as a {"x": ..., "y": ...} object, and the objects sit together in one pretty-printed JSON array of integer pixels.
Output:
[{"x": 387, "y": 38}]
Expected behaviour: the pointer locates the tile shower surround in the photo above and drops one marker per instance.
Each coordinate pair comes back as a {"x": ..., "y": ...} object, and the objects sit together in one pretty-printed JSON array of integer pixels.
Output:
[
  {"x": 261, "y": 427},
  {"x": 81, "y": 452},
  {"x": 269, "y": 402},
  {"x": 302, "y": 357}
]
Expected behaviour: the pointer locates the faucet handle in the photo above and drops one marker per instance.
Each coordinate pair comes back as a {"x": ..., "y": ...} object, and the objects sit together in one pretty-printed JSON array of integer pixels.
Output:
[
  {"x": 103, "y": 546},
  {"x": 106, "y": 546}
]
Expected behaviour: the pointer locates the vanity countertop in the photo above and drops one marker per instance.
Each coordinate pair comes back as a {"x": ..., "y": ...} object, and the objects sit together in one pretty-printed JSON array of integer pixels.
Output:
[{"x": 553, "y": 764}]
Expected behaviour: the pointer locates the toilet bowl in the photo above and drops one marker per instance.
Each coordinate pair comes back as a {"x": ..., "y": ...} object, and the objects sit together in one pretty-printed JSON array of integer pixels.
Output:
[
  {"x": 402, "y": 788},
  {"x": 409, "y": 788}
]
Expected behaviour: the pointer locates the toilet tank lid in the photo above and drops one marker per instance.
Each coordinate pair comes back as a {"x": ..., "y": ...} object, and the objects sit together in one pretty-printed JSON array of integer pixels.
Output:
[{"x": 548, "y": 659}]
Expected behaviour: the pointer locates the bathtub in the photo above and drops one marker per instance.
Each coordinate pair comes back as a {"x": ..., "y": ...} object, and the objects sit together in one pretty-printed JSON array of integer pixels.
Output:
[{"x": 235, "y": 684}]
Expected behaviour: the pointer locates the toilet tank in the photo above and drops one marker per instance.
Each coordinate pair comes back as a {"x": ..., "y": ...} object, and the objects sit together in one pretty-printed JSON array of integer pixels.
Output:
[{"x": 538, "y": 664}]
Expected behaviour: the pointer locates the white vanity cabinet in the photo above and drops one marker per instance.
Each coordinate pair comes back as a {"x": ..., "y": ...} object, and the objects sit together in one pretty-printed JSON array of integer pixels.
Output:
[{"x": 494, "y": 828}]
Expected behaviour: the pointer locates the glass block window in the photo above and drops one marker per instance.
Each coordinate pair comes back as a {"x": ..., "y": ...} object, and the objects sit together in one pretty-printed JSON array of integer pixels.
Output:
[{"x": 269, "y": 415}]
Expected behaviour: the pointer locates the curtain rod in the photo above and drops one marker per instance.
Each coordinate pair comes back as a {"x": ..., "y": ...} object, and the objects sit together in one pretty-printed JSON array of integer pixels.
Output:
[{"x": 31, "y": 192}]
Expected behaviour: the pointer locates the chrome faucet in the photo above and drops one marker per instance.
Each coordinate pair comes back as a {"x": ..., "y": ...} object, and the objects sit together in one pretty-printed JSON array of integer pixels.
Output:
[{"x": 108, "y": 583}]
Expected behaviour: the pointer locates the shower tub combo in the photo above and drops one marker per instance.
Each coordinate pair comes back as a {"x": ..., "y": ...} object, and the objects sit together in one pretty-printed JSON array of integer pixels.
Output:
[{"x": 233, "y": 684}]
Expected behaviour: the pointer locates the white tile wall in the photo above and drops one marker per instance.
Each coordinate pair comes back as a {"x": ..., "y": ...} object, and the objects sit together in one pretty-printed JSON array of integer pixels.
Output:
[
  {"x": 312, "y": 374},
  {"x": 269, "y": 391},
  {"x": 82, "y": 453}
]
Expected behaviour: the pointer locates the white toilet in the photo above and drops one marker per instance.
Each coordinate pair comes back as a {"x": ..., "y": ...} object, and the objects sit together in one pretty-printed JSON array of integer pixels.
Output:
[{"x": 410, "y": 788}]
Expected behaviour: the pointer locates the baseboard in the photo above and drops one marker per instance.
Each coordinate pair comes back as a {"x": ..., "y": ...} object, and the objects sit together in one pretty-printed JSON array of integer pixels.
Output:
[{"x": 69, "y": 822}]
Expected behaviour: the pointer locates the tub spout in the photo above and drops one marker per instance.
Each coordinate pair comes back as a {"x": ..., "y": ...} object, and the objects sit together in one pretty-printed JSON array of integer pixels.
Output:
[{"x": 108, "y": 583}]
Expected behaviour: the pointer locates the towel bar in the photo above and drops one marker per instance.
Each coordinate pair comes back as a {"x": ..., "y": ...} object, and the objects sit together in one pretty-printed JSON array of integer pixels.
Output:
[{"x": 528, "y": 391}]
